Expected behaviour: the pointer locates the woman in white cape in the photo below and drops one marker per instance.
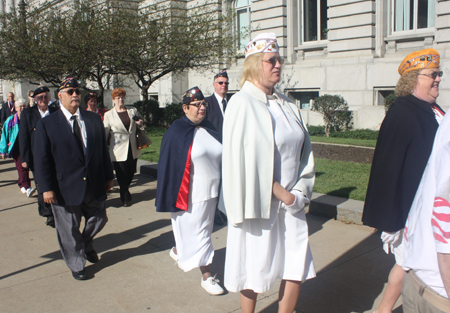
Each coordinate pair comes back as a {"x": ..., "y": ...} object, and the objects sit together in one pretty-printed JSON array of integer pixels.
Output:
[{"x": 267, "y": 178}]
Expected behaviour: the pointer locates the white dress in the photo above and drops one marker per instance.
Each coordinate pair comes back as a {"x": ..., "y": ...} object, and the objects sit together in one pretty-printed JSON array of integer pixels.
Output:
[
  {"x": 192, "y": 228},
  {"x": 259, "y": 251}
]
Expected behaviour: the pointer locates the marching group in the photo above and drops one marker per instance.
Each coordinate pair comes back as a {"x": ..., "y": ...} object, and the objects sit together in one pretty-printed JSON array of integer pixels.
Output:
[{"x": 255, "y": 165}]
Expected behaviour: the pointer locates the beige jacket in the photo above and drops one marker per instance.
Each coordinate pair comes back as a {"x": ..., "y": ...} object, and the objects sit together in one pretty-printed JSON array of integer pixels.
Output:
[
  {"x": 248, "y": 156},
  {"x": 120, "y": 136}
]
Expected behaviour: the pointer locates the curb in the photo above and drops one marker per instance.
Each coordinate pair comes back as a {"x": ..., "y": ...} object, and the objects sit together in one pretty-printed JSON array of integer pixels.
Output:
[{"x": 341, "y": 209}]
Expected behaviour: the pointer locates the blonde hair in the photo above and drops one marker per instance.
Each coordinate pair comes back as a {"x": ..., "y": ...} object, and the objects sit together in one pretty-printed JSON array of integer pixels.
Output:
[
  {"x": 252, "y": 68},
  {"x": 407, "y": 83}
]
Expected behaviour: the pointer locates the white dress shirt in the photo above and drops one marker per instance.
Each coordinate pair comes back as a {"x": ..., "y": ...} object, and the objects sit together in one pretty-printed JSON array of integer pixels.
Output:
[
  {"x": 219, "y": 100},
  {"x": 80, "y": 120}
]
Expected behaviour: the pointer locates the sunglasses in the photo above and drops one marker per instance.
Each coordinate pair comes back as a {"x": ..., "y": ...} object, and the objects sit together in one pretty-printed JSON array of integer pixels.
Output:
[
  {"x": 71, "y": 91},
  {"x": 221, "y": 83},
  {"x": 41, "y": 98},
  {"x": 434, "y": 74},
  {"x": 199, "y": 104},
  {"x": 274, "y": 61}
]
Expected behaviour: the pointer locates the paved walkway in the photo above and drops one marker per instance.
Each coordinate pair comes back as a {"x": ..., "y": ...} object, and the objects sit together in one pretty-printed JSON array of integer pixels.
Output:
[{"x": 136, "y": 274}]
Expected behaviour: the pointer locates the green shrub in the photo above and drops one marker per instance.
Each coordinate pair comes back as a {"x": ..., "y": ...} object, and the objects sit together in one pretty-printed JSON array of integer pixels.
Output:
[
  {"x": 172, "y": 112},
  {"x": 367, "y": 134},
  {"x": 316, "y": 130},
  {"x": 335, "y": 113},
  {"x": 150, "y": 111},
  {"x": 389, "y": 100}
]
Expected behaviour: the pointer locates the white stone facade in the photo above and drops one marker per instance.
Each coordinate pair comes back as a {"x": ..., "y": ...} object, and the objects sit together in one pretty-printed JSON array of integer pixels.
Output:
[
  {"x": 357, "y": 59},
  {"x": 350, "y": 48}
]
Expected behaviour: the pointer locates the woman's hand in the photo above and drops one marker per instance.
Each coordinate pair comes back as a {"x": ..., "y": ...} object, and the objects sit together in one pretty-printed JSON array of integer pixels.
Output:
[
  {"x": 282, "y": 194},
  {"x": 139, "y": 123}
]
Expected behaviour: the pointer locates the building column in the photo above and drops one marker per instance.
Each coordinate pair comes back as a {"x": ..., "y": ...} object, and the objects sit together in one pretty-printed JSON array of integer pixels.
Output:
[{"x": 9, "y": 6}]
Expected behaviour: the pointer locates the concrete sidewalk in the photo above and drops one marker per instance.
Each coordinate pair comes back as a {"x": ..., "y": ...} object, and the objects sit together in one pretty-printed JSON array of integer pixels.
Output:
[{"x": 136, "y": 274}]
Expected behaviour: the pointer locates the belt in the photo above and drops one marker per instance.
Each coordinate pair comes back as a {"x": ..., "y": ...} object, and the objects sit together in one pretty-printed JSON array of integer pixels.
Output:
[{"x": 425, "y": 292}]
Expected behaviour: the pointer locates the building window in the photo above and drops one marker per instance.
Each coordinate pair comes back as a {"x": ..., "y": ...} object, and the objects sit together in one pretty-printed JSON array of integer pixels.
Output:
[
  {"x": 315, "y": 20},
  {"x": 381, "y": 93},
  {"x": 243, "y": 22},
  {"x": 413, "y": 14},
  {"x": 303, "y": 99}
]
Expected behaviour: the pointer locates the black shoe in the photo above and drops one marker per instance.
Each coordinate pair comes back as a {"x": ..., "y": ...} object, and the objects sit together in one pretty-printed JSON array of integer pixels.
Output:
[
  {"x": 81, "y": 275},
  {"x": 50, "y": 221},
  {"x": 92, "y": 256}
]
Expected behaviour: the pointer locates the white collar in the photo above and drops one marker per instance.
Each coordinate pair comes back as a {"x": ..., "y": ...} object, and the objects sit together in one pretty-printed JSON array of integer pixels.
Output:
[{"x": 68, "y": 115}]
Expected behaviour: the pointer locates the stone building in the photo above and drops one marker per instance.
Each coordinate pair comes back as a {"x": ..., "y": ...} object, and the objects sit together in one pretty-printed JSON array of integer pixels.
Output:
[{"x": 350, "y": 48}]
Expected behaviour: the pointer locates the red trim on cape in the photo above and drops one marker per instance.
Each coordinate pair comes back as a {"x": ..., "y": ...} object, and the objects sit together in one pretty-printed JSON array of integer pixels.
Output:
[{"x": 183, "y": 193}]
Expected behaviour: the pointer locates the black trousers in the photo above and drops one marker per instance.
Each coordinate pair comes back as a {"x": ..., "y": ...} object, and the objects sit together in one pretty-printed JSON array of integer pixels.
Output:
[{"x": 124, "y": 173}]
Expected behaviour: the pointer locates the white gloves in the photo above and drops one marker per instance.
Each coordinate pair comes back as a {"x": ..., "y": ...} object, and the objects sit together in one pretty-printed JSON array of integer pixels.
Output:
[
  {"x": 299, "y": 203},
  {"x": 391, "y": 239}
]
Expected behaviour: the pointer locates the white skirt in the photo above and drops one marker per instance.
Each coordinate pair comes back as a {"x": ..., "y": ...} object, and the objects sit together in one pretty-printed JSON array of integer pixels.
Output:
[
  {"x": 192, "y": 230},
  {"x": 260, "y": 251}
]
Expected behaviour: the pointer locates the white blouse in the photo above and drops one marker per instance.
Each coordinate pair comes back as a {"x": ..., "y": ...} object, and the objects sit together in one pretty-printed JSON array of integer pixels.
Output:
[
  {"x": 206, "y": 165},
  {"x": 289, "y": 138}
]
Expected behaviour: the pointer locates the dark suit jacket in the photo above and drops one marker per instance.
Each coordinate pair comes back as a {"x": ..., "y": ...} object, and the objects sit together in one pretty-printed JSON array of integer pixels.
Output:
[
  {"x": 404, "y": 145},
  {"x": 62, "y": 167},
  {"x": 5, "y": 112},
  {"x": 214, "y": 113},
  {"x": 28, "y": 121}
]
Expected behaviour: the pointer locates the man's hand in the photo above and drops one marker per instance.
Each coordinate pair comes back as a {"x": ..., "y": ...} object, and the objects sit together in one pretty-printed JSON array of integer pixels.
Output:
[
  {"x": 109, "y": 184},
  {"x": 282, "y": 194},
  {"x": 24, "y": 165},
  {"x": 49, "y": 197}
]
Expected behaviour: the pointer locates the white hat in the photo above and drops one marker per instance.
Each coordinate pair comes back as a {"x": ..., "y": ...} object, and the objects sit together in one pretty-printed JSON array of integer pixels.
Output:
[{"x": 266, "y": 42}]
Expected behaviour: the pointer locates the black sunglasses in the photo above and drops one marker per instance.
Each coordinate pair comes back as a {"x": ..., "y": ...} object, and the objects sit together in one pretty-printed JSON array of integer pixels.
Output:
[
  {"x": 221, "y": 83},
  {"x": 274, "y": 60},
  {"x": 71, "y": 91},
  {"x": 434, "y": 74},
  {"x": 199, "y": 104}
]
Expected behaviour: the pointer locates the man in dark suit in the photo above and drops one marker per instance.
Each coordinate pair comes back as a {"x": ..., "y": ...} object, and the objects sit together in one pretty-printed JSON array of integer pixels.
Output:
[
  {"x": 217, "y": 102},
  {"x": 8, "y": 108},
  {"x": 28, "y": 121},
  {"x": 74, "y": 172}
]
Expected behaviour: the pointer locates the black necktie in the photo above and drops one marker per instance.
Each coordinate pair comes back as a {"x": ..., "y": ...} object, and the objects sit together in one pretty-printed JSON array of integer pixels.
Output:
[
  {"x": 77, "y": 132},
  {"x": 224, "y": 104}
]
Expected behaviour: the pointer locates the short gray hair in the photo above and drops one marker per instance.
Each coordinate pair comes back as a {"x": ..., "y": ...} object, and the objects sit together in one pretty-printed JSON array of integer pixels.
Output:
[{"x": 20, "y": 101}]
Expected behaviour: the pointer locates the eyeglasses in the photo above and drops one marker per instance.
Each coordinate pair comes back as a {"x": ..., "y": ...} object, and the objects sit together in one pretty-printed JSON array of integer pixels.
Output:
[
  {"x": 119, "y": 98},
  {"x": 434, "y": 75},
  {"x": 274, "y": 60},
  {"x": 71, "y": 91},
  {"x": 199, "y": 104},
  {"x": 221, "y": 83}
]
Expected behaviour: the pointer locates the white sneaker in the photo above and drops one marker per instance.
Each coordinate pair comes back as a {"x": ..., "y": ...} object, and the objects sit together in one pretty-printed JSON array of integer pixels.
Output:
[
  {"x": 173, "y": 255},
  {"x": 30, "y": 191},
  {"x": 211, "y": 285},
  {"x": 23, "y": 190}
]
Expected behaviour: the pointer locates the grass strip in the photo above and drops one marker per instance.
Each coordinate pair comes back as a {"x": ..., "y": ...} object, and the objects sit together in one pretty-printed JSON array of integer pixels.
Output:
[
  {"x": 151, "y": 153},
  {"x": 336, "y": 178},
  {"x": 342, "y": 179}
]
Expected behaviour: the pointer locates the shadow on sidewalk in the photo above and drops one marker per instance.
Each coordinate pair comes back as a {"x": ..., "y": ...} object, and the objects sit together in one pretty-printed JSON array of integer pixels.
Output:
[
  {"x": 350, "y": 283},
  {"x": 143, "y": 196},
  {"x": 111, "y": 241}
]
